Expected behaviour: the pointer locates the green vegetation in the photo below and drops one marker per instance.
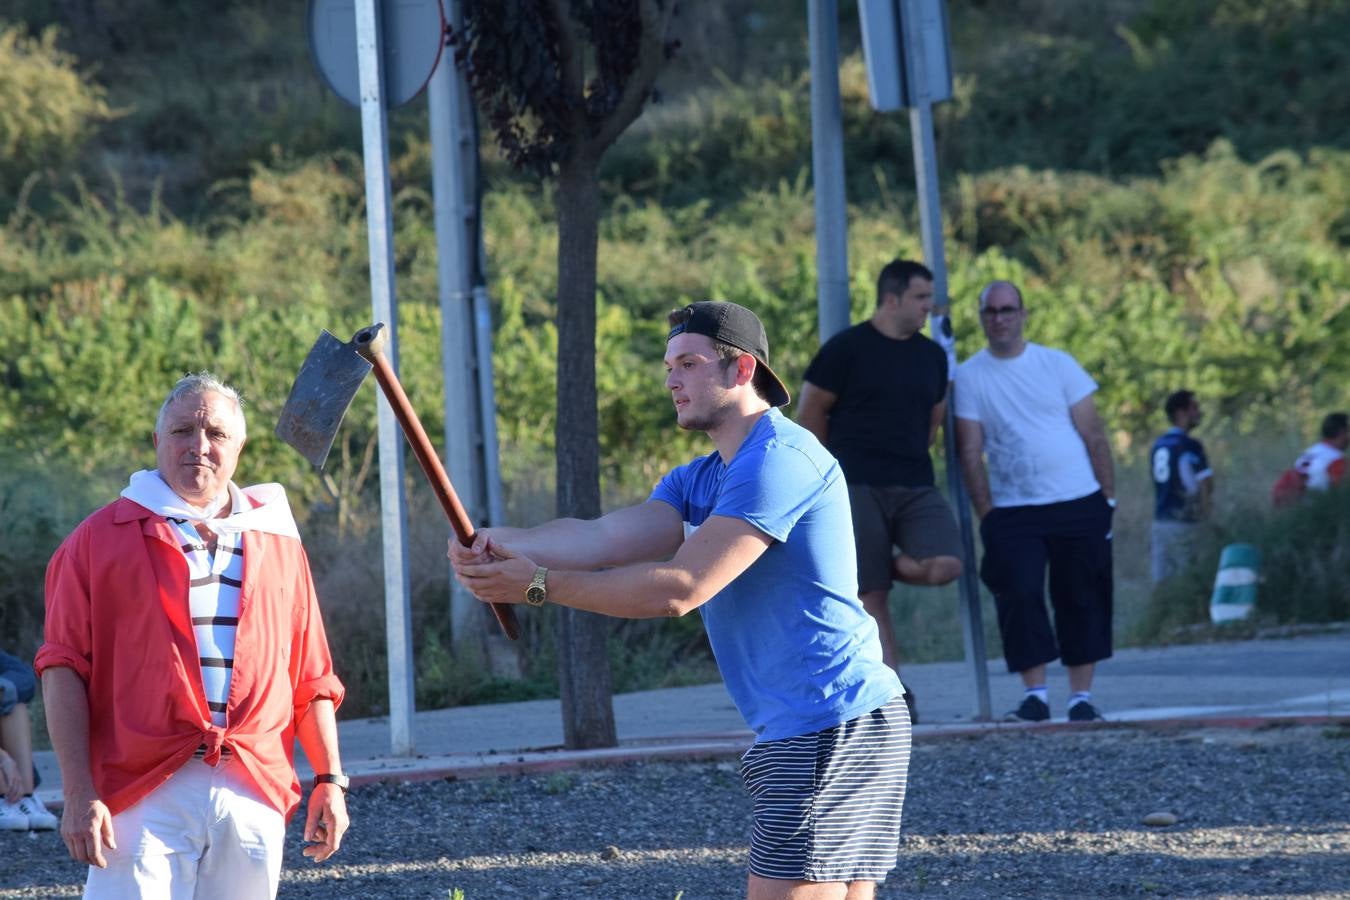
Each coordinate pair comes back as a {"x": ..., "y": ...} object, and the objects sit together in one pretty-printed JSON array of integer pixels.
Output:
[
  {"x": 47, "y": 108},
  {"x": 1306, "y": 546},
  {"x": 1171, "y": 190}
]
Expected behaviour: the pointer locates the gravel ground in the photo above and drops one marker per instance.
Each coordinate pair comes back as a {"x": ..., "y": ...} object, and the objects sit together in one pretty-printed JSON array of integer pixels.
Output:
[{"x": 1019, "y": 813}]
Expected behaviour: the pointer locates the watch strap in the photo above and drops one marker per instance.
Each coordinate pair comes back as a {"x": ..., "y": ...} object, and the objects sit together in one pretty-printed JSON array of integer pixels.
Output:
[{"x": 342, "y": 781}]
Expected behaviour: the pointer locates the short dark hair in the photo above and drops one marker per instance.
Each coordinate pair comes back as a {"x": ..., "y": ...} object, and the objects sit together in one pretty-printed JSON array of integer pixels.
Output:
[
  {"x": 1178, "y": 401},
  {"x": 726, "y": 353},
  {"x": 897, "y": 275},
  {"x": 1335, "y": 425}
]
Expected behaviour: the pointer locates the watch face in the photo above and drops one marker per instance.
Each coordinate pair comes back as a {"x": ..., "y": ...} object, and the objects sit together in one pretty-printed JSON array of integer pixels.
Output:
[{"x": 535, "y": 595}]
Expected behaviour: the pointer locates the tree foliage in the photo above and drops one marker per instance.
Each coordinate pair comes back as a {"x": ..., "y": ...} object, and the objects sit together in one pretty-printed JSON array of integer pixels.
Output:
[
  {"x": 524, "y": 62},
  {"x": 48, "y": 107}
]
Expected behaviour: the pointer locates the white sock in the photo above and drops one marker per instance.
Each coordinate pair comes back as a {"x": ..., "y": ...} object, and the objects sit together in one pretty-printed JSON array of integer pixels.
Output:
[
  {"x": 1040, "y": 692},
  {"x": 1078, "y": 697}
]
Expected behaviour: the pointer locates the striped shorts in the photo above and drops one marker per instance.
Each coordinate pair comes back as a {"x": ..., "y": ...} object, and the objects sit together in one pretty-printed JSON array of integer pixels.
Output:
[{"x": 827, "y": 805}]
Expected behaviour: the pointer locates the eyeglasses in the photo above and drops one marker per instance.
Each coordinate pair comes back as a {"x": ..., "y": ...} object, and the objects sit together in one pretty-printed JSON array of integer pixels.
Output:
[{"x": 1000, "y": 312}]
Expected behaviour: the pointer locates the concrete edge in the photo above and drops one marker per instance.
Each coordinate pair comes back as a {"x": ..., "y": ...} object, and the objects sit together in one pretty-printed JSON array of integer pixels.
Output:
[{"x": 712, "y": 747}]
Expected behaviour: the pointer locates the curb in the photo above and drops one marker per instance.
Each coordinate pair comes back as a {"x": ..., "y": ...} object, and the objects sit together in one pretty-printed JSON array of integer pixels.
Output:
[
  {"x": 711, "y": 747},
  {"x": 489, "y": 765}
]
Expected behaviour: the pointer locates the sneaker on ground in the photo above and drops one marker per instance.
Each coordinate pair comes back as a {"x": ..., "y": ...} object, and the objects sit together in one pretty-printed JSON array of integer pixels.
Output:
[
  {"x": 12, "y": 818},
  {"x": 39, "y": 817},
  {"x": 1083, "y": 711},
  {"x": 908, "y": 697},
  {"x": 1033, "y": 709}
]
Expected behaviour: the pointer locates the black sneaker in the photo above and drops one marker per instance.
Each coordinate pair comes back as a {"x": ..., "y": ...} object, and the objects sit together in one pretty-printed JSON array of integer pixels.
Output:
[
  {"x": 908, "y": 697},
  {"x": 1083, "y": 711},
  {"x": 1033, "y": 709}
]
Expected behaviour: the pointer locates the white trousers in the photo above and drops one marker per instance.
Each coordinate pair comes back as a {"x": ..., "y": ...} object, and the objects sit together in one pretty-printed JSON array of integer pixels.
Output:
[{"x": 201, "y": 835}]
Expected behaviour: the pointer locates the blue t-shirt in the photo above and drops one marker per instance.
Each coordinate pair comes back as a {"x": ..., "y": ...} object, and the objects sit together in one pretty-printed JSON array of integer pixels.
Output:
[
  {"x": 796, "y": 649},
  {"x": 1179, "y": 465}
]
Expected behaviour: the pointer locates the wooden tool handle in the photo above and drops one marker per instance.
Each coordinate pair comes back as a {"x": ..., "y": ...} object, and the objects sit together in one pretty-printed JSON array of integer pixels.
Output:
[{"x": 369, "y": 342}]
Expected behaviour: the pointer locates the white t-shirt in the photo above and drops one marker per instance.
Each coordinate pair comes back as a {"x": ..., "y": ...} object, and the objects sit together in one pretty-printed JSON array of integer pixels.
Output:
[
  {"x": 1035, "y": 454},
  {"x": 1322, "y": 465}
]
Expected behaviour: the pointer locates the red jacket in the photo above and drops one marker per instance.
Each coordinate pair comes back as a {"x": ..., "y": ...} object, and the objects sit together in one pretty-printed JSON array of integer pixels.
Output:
[{"x": 117, "y": 614}]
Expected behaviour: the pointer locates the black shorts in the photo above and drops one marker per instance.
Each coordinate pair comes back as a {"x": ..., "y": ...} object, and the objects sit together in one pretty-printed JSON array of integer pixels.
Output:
[
  {"x": 915, "y": 519},
  {"x": 1073, "y": 539}
]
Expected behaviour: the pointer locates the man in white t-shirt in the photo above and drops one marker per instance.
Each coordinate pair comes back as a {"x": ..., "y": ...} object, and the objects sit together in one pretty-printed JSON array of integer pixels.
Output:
[{"x": 1045, "y": 499}]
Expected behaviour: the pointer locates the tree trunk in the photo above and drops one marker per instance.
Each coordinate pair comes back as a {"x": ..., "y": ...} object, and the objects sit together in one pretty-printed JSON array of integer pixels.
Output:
[{"x": 583, "y": 658}]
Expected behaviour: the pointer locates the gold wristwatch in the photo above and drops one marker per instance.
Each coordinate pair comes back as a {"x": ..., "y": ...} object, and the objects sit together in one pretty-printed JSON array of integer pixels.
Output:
[{"x": 537, "y": 592}]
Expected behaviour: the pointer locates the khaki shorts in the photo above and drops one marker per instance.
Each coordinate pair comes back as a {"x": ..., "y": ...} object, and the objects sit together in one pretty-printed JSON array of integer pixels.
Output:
[{"x": 915, "y": 519}]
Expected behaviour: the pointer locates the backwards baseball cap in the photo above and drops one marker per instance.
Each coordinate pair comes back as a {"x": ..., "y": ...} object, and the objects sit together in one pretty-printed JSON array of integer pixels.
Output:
[{"x": 733, "y": 324}]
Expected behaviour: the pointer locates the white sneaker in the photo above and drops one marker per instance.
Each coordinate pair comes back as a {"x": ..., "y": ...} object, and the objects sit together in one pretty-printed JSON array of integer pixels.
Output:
[
  {"x": 12, "y": 818},
  {"x": 39, "y": 817}
]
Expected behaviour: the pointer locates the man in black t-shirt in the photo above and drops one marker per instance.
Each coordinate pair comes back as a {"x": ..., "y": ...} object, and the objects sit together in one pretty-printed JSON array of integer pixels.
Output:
[{"x": 874, "y": 396}]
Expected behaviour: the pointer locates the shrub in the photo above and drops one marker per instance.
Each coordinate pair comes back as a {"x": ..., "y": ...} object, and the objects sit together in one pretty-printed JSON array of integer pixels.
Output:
[{"x": 48, "y": 108}]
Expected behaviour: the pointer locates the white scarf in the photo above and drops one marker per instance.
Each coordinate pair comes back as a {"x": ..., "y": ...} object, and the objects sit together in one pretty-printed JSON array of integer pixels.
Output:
[{"x": 272, "y": 513}]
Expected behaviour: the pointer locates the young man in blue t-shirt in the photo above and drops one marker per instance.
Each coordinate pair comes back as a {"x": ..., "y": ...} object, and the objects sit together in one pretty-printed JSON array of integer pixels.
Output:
[
  {"x": 1183, "y": 486},
  {"x": 757, "y": 536}
]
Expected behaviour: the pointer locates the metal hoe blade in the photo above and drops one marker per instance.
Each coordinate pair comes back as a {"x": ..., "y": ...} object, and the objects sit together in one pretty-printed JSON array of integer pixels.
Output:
[{"x": 328, "y": 381}]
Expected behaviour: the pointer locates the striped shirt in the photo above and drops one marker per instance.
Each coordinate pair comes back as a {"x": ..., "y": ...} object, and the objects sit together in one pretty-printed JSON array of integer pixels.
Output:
[{"x": 213, "y": 601}]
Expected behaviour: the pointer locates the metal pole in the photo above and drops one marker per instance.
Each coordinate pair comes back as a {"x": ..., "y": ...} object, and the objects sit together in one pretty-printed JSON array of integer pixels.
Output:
[
  {"x": 380, "y": 226},
  {"x": 487, "y": 402},
  {"x": 453, "y": 215},
  {"x": 930, "y": 224},
  {"x": 827, "y": 165}
]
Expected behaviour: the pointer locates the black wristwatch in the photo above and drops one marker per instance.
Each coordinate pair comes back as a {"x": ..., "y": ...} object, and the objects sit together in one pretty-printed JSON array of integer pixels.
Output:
[{"x": 342, "y": 781}]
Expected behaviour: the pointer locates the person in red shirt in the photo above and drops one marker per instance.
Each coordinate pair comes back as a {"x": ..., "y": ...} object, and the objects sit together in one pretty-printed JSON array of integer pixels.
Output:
[
  {"x": 183, "y": 656},
  {"x": 1323, "y": 464}
]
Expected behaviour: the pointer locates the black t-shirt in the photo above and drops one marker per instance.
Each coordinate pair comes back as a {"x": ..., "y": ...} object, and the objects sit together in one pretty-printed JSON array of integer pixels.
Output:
[{"x": 878, "y": 427}]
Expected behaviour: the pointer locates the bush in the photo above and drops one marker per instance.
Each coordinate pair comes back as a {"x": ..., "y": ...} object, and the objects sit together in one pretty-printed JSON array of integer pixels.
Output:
[
  {"x": 48, "y": 109},
  {"x": 1305, "y": 565}
]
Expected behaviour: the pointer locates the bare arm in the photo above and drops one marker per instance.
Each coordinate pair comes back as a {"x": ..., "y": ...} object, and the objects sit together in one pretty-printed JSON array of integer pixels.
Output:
[
  {"x": 1093, "y": 433},
  {"x": 813, "y": 409},
  {"x": 1205, "y": 490},
  {"x": 86, "y": 824},
  {"x": 970, "y": 447},
  {"x": 935, "y": 421},
  {"x": 326, "y": 820},
  {"x": 721, "y": 549},
  {"x": 647, "y": 531}
]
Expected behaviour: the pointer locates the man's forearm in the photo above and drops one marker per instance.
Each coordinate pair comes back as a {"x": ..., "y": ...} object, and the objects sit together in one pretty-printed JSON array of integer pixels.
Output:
[
  {"x": 977, "y": 483},
  {"x": 1099, "y": 453},
  {"x": 317, "y": 732},
  {"x": 646, "y": 532},
  {"x": 560, "y": 542},
  {"x": 66, "y": 701},
  {"x": 644, "y": 591}
]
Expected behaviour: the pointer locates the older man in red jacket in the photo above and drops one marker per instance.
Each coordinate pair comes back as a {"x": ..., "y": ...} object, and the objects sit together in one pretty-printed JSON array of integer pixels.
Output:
[{"x": 184, "y": 654}]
